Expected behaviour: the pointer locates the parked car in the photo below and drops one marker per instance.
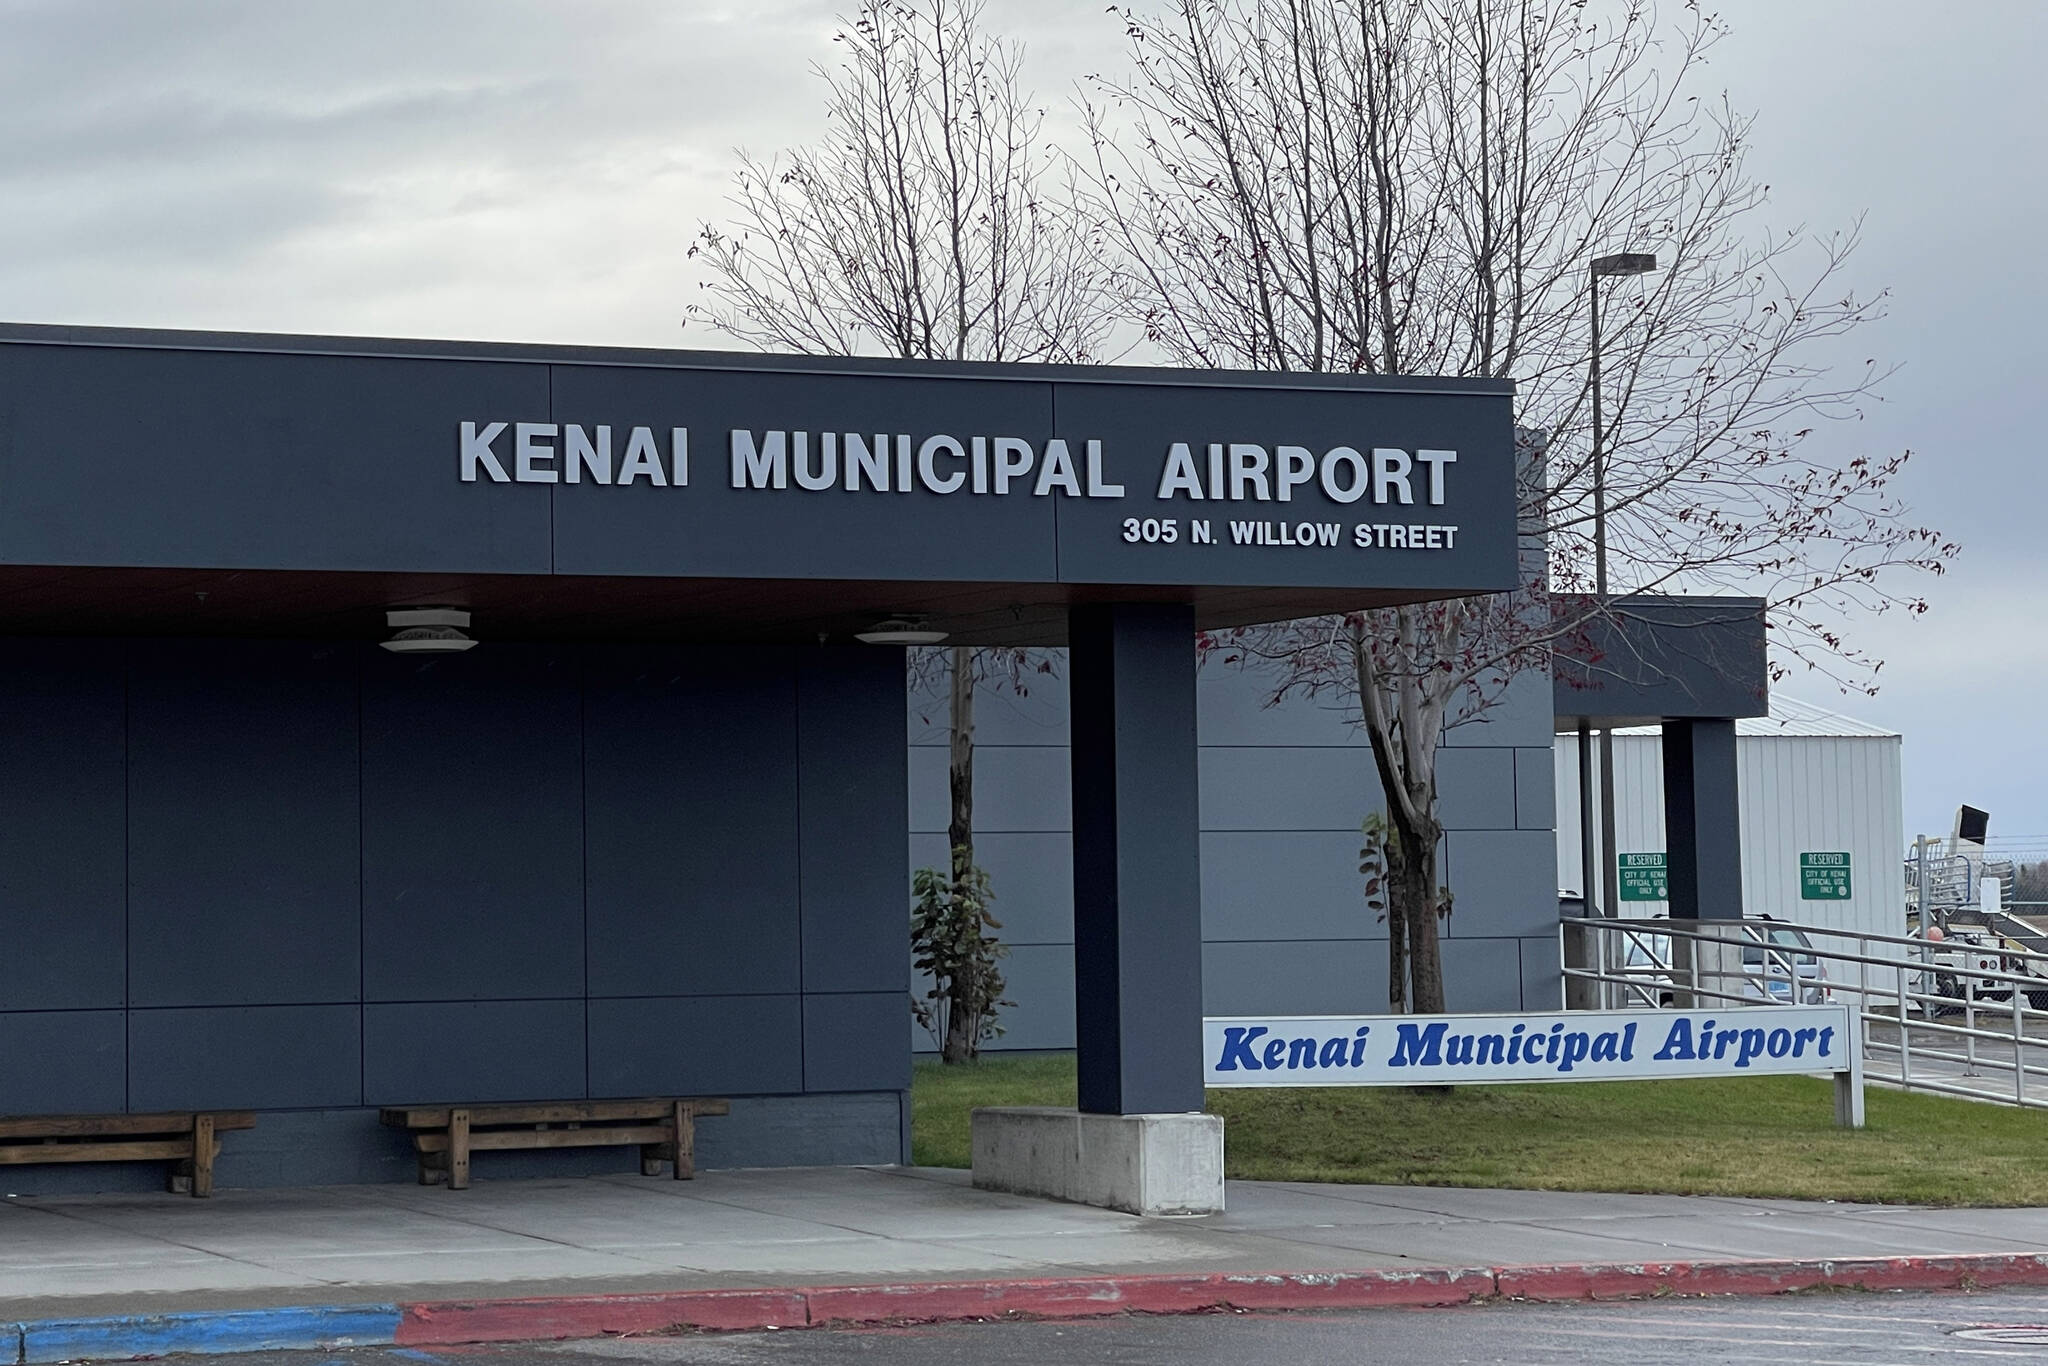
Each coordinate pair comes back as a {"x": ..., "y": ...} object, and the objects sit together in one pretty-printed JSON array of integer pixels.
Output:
[{"x": 1778, "y": 964}]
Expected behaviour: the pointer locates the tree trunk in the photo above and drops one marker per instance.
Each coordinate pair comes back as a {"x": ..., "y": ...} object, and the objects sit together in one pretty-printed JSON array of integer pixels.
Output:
[
  {"x": 960, "y": 1029},
  {"x": 1412, "y": 895},
  {"x": 1397, "y": 930},
  {"x": 960, "y": 768},
  {"x": 1420, "y": 898},
  {"x": 961, "y": 1026}
]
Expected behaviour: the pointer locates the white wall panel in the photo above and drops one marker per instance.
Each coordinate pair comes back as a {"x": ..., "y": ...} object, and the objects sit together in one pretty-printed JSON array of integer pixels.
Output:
[{"x": 1799, "y": 794}]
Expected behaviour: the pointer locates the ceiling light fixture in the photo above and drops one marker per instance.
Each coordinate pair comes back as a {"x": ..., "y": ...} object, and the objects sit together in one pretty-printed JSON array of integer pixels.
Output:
[
  {"x": 428, "y": 630},
  {"x": 900, "y": 631}
]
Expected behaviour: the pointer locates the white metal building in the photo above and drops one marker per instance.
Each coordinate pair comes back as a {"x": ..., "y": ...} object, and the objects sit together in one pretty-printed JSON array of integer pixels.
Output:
[{"x": 1812, "y": 782}]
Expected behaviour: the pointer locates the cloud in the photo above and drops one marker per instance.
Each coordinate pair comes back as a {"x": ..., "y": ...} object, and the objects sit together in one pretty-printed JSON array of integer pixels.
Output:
[{"x": 325, "y": 166}]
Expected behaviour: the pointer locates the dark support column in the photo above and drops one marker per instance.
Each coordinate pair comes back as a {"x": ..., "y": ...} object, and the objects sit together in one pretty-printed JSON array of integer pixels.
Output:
[
  {"x": 1702, "y": 827},
  {"x": 1137, "y": 879}
]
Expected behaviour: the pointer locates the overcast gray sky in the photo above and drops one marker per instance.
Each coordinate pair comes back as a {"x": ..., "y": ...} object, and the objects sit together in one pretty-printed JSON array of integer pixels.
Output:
[{"x": 533, "y": 172}]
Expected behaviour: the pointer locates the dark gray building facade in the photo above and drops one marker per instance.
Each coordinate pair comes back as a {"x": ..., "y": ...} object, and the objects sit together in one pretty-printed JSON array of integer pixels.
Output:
[
  {"x": 1284, "y": 789},
  {"x": 648, "y": 836},
  {"x": 313, "y": 877}
]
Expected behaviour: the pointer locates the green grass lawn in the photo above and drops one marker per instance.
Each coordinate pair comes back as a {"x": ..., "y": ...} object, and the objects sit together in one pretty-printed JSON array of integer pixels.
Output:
[{"x": 1762, "y": 1136}]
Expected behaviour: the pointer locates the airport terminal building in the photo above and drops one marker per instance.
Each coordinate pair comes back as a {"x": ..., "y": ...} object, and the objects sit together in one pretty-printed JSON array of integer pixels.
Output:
[
  {"x": 652, "y": 834},
  {"x": 648, "y": 836}
]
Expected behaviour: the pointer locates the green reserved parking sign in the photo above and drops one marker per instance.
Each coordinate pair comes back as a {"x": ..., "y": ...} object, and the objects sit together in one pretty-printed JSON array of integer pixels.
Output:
[
  {"x": 1823, "y": 877},
  {"x": 1644, "y": 877}
]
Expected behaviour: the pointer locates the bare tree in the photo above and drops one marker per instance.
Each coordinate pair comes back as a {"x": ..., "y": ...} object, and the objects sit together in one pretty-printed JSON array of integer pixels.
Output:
[
  {"x": 924, "y": 225},
  {"x": 927, "y": 225},
  {"x": 1419, "y": 186}
]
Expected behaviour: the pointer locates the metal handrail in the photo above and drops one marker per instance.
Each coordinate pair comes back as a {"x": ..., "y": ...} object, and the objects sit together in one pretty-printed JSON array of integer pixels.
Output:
[
  {"x": 1742, "y": 934},
  {"x": 1892, "y": 999},
  {"x": 1741, "y": 939},
  {"x": 1925, "y": 964}
]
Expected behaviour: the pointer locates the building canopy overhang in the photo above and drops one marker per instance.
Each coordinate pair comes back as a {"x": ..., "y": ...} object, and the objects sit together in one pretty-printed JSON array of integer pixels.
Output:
[
  {"x": 198, "y": 483},
  {"x": 1642, "y": 659}
]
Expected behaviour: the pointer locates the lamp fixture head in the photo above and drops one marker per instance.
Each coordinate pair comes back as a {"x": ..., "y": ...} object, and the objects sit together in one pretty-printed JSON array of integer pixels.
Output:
[
  {"x": 1625, "y": 263},
  {"x": 900, "y": 631},
  {"x": 428, "y": 630}
]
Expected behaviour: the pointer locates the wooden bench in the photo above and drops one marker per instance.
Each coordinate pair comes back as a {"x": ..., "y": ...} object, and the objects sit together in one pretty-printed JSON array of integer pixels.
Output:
[
  {"x": 187, "y": 1138},
  {"x": 445, "y": 1135}
]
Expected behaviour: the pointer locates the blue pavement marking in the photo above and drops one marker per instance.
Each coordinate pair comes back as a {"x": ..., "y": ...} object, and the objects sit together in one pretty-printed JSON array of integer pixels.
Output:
[{"x": 122, "y": 1337}]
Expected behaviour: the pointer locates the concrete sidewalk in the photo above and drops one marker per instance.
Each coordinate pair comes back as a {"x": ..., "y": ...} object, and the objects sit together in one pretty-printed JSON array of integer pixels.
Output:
[{"x": 81, "y": 1256}]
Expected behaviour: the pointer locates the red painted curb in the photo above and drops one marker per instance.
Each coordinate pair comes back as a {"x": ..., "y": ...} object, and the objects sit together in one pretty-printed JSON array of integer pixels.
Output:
[
  {"x": 451, "y": 1322},
  {"x": 1088, "y": 1296},
  {"x": 1636, "y": 1280},
  {"x": 448, "y": 1322}
]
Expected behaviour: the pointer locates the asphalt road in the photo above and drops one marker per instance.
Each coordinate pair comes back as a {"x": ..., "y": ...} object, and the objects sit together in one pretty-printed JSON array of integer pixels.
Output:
[{"x": 1819, "y": 1330}]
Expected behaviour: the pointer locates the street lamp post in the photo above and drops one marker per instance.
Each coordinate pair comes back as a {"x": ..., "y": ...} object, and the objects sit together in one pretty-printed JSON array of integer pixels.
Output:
[{"x": 1604, "y": 267}]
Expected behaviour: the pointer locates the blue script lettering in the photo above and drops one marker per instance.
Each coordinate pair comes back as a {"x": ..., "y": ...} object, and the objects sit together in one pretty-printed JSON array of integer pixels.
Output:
[
  {"x": 1415, "y": 1047},
  {"x": 1237, "y": 1052}
]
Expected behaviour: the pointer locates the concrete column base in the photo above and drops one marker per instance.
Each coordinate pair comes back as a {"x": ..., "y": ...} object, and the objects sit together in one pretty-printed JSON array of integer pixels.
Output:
[{"x": 1140, "y": 1164}]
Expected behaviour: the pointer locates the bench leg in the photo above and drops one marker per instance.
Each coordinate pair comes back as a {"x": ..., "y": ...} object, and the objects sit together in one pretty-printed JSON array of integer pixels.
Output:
[
  {"x": 433, "y": 1166},
  {"x": 205, "y": 1147},
  {"x": 458, "y": 1150},
  {"x": 652, "y": 1155},
  {"x": 685, "y": 1122}
]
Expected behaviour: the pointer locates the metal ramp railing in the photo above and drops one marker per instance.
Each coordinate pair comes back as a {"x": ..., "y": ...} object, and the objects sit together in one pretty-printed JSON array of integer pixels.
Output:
[{"x": 1948, "y": 1017}]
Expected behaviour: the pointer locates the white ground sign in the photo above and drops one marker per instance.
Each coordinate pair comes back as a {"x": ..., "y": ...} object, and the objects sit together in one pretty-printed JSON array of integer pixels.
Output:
[{"x": 1579, "y": 1045}]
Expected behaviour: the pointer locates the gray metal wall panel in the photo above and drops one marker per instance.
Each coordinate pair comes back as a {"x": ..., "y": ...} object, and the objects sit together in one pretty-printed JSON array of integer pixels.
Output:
[
  {"x": 225, "y": 460},
  {"x": 1030, "y": 711},
  {"x": 243, "y": 844},
  {"x": 62, "y": 815},
  {"x": 1284, "y": 884},
  {"x": 1231, "y": 709},
  {"x": 690, "y": 821},
  {"x": 698, "y": 1045},
  {"x": 1515, "y": 714},
  {"x": 1501, "y": 883},
  {"x": 1016, "y": 788},
  {"x": 715, "y": 530},
  {"x": 1482, "y": 974},
  {"x": 1032, "y": 877},
  {"x": 1476, "y": 788},
  {"x": 473, "y": 826},
  {"x": 246, "y": 1057},
  {"x": 1542, "y": 974},
  {"x": 1297, "y": 788},
  {"x": 1535, "y": 789},
  {"x": 317, "y": 1148},
  {"x": 851, "y": 1042},
  {"x": 1040, "y": 980},
  {"x": 804, "y": 1131},
  {"x": 55, "y": 1062},
  {"x": 852, "y": 789},
  {"x": 473, "y": 1051},
  {"x": 1299, "y": 977}
]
